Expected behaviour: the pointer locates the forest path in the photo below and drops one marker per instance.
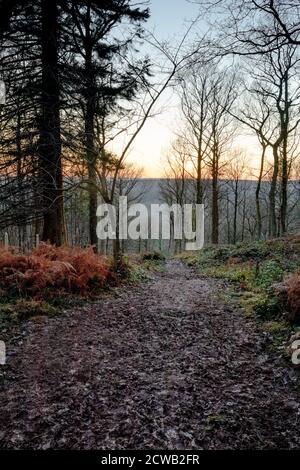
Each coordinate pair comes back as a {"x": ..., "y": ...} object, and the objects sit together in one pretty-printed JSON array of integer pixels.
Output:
[{"x": 162, "y": 365}]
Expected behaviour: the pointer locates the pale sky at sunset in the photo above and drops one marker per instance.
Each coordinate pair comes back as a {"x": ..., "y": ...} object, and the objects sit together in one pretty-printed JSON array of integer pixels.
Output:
[{"x": 169, "y": 20}]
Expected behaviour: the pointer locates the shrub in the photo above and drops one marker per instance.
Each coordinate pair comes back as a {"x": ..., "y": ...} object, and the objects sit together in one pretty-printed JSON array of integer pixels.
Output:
[
  {"x": 48, "y": 270},
  {"x": 253, "y": 251},
  {"x": 153, "y": 256},
  {"x": 293, "y": 293},
  {"x": 242, "y": 252},
  {"x": 120, "y": 270},
  {"x": 268, "y": 273},
  {"x": 267, "y": 307}
]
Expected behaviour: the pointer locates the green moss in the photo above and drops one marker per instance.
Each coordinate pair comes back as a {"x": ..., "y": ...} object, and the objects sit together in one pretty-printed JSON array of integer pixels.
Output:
[
  {"x": 267, "y": 308},
  {"x": 253, "y": 302},
  {"x": 25, "y": 309},
  {"x": 138, "y": 274},
  {"x": 275, "y": 327},
  {"x": 233, "y": 273},
  {"x": 280, "y": 331}
]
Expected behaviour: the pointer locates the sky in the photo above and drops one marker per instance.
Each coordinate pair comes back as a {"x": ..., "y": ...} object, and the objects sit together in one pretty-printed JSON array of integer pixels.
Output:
[{"x": 168, "y": 21}]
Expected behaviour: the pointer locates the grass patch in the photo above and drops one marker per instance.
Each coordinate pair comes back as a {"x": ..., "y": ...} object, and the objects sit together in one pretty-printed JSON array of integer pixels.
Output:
[
  {"x": 141, "y": 267},
  {"x": 252, "y": 269},
  {"x": 27, "y": 309},
  {"x": 138, "y": 274},
  {"x": 275, "y": 327},
  {"x": 279, "y": 332},
  {"x": 15, "y": 311}
]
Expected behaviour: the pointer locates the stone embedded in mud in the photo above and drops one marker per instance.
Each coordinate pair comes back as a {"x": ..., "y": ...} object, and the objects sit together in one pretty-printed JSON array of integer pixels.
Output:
[
  {"x": 293, "y": 349},
  {"x": 295, "y": 337}
]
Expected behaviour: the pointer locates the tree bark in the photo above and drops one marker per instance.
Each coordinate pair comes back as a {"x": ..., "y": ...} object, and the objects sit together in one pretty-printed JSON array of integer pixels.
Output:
[
  {"x": 284, "y": 176},
  {"x": 284, "y": 196},
  {"x": 272, "y": 195},
  {"x": 199, "y": 198},
  {"x": 92, "y": 185},
  {"x": 257, "y": 194},
  {"x": 90, "y": 113},
  {"x": 215, "y": 199},
  {"x": 236, "y": 196},
  {"x": 50, "y": 139}
]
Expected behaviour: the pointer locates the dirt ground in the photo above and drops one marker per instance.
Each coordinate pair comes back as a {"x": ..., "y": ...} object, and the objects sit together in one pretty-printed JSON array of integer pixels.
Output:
[{"x": 163, "y": 365}]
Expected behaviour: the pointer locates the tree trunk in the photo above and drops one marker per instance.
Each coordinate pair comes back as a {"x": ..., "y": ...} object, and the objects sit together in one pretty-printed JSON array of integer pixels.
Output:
[
  {"x": 285, "y": 176},
  {"x": 215, "y": 200},
  {"x": 228, "y": 219},
  {"x": 199, "y": 178},
  {"x": 90, "y": 157},
  {"x": 272, "y": 195},
  {"x": 90, "y": 112},
  {"x": 93, "y": 204},
  {"x": 236, "y": 194},
  {"x": 243, "y": 218},
  {"x": 50, "y": 138},
  {"x": 257, "y": 194},
  {"x": 284, "y": 196},
  {"x": 117, "y": 249}
]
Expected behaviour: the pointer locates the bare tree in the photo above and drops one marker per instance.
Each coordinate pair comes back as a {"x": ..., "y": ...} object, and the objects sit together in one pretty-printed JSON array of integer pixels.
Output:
[
  {"x": 221, "y": 131},
  {"x": 177, "y": 185},
  {"x": 273, "y": 116},
  {"x": 236, "y": 172},
  {"x": 196, "y": 89},
  {"x": 251, "y": 27}
]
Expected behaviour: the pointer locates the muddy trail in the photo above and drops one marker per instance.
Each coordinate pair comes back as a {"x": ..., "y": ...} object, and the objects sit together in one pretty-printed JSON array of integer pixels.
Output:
[{"x": 162, "y": 365}]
